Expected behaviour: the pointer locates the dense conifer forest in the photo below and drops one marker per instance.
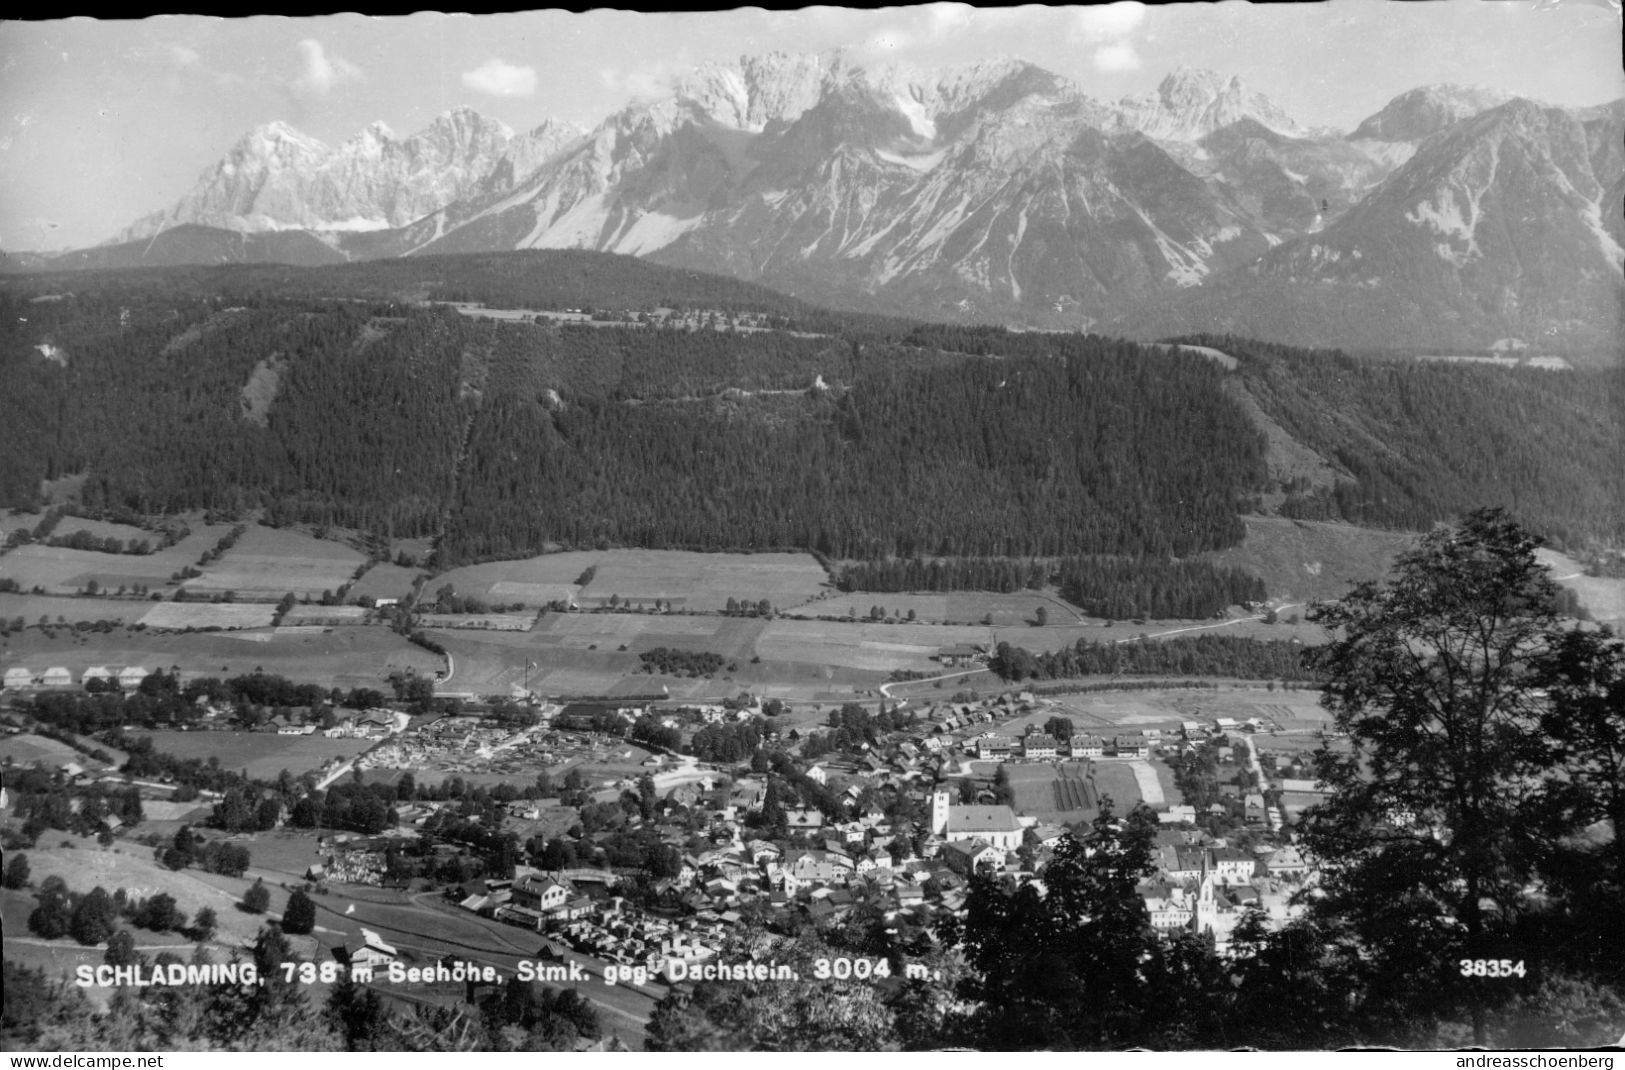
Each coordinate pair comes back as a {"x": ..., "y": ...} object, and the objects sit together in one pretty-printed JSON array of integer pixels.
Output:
[
  {"x": 1117, "y": 588},
  {"x": 871, "y": 441},
  {"x": 1420, "y": 442},
  {"x": 1185, "y": 655}
]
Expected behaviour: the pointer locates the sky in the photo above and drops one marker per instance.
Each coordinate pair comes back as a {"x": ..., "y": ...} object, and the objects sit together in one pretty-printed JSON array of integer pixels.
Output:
[{"x": 102, "y": 122}]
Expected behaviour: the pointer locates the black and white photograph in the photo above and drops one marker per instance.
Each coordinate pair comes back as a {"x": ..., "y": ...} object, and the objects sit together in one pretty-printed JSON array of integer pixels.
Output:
[{"x": 940, "y": 528}]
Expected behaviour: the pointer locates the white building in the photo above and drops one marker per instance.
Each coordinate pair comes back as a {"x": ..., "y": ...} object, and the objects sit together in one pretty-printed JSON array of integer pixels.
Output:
[{"x": 995, "y": 825}]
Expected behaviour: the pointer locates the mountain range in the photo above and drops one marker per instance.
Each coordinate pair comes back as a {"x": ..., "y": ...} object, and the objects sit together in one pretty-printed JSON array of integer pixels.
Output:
[{"x": 993, "y": 192}]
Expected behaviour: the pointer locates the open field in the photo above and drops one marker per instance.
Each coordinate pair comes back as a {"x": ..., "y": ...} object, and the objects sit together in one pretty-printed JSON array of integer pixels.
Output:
[
  {"x": 1127, "y": 783},
  {"x": 493, "y": 622},
  {"x": 324, "y": 616},
  {"x": 72, "y": 525},
  {"x": 385, "y": 580},
  {"x": 954, "y": 607},
  {"x": 178, "y": 615},
  {"x": 262, "y": 754},
  {"x": 267, "y": 563},
  {"x": 27, "y": 748},
  {"x": 580, "y": 653},
  {"x": 72, "y": 609},
  {"x": 342, "y": 657},
  {"x": 1603, "y": 597},
  {"x": 130, "y": 866},
  {"x": 1069, "y": 792},
  {"x": 1063, "y": 793},
  {"x": 59, "y": 570},
  {"x": 62, "y": 571},
  {"x": 1103, "y": 712},
  {"x": 1300, "y": 560},
  {"x": 686, "y": 579}
]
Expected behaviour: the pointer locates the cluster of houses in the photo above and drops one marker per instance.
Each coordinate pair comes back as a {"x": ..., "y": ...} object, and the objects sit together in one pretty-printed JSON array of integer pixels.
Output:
[
  {"x": 128, "y": 678},
  {"x": 824, "y": 867},
  {"x": 471, "y": 745}
]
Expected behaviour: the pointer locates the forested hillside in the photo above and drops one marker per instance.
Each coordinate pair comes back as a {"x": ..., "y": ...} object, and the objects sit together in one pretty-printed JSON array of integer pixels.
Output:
[
  {"x": 1418, "y": 442},
  {"x": 539, "y": 279},
  {"x": 892, "y": 444},
  {"x": 1106, "y": 449}
]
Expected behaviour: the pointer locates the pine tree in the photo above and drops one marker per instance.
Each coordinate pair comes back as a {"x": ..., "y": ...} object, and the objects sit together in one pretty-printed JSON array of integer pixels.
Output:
[
  {"x": 299, "y": 917},
  {"x": 16, "y": 871},
  {"x": 257, "y": 898}
]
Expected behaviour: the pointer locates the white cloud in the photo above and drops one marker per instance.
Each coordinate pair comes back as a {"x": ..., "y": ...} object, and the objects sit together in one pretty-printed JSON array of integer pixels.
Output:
[
  {"x": 322, "y": 72},
  {"x": 182, "y": 56},
  {"x": 1117, "y": 57},
  {"x": 1108, "y": 22},
  {"x": 501, "y": 79}
]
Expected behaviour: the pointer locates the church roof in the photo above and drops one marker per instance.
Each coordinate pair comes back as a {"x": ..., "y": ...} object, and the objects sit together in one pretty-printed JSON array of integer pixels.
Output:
[{"x": 982, "y": 819}]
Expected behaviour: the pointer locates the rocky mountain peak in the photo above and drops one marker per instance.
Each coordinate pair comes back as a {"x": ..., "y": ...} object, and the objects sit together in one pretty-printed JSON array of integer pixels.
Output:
[
  {"x": 1191, "y": 103},
  {"x": 1426, "y": 110},
  {"x": 755, "y": 90}
]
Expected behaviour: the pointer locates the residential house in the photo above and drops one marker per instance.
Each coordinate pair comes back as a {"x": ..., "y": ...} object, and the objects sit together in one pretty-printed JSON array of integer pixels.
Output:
[
  {"x": 1287, "y": 861},
  {"x": 130, "y": 677},
  {"x": 1131, "y": 747},
  {"x": 538, "y": 893},
  {"x": 97, "y": 672},
  {"x": 993, "y": 747},
  {"x": 1233, "y": 866},
  {"x": 17, "y": 676},
  {"x": 1178, "y": 815},
  {"x": 1038, "y": 745},
  {"x": 819, "y": 775},
  {"x": 368, "y": 951},
  {"x": 973, "y": 854},
  {"x": 57, "y": 676},
  {"x": 1167, "y": 904},
  {"x": 803, "y": 820},
  {"x": 1088, "y": 747}
]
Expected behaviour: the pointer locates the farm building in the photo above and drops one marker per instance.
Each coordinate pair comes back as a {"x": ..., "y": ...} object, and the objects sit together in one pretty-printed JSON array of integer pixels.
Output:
[
  {"x": 97, "y": 672},
  {"x": 960, "y": 654},
  {"x": 19, "y": 677},
  {"x": 369, "y": 951},
  {"x": 57, "y": 676},
  {"x": 132, "y": 676}
]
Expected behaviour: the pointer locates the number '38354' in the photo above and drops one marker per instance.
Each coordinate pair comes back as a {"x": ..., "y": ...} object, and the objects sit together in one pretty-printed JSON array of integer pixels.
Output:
[{"x": 1492, "y": 968}]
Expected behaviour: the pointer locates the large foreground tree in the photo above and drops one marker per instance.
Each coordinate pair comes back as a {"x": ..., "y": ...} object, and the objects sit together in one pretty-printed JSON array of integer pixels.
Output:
[{"x": 1431, "y": 831}]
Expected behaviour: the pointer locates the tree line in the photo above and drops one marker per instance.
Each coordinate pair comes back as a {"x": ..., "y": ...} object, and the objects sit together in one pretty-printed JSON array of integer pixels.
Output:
[{"x": 1182, "y": 655}]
